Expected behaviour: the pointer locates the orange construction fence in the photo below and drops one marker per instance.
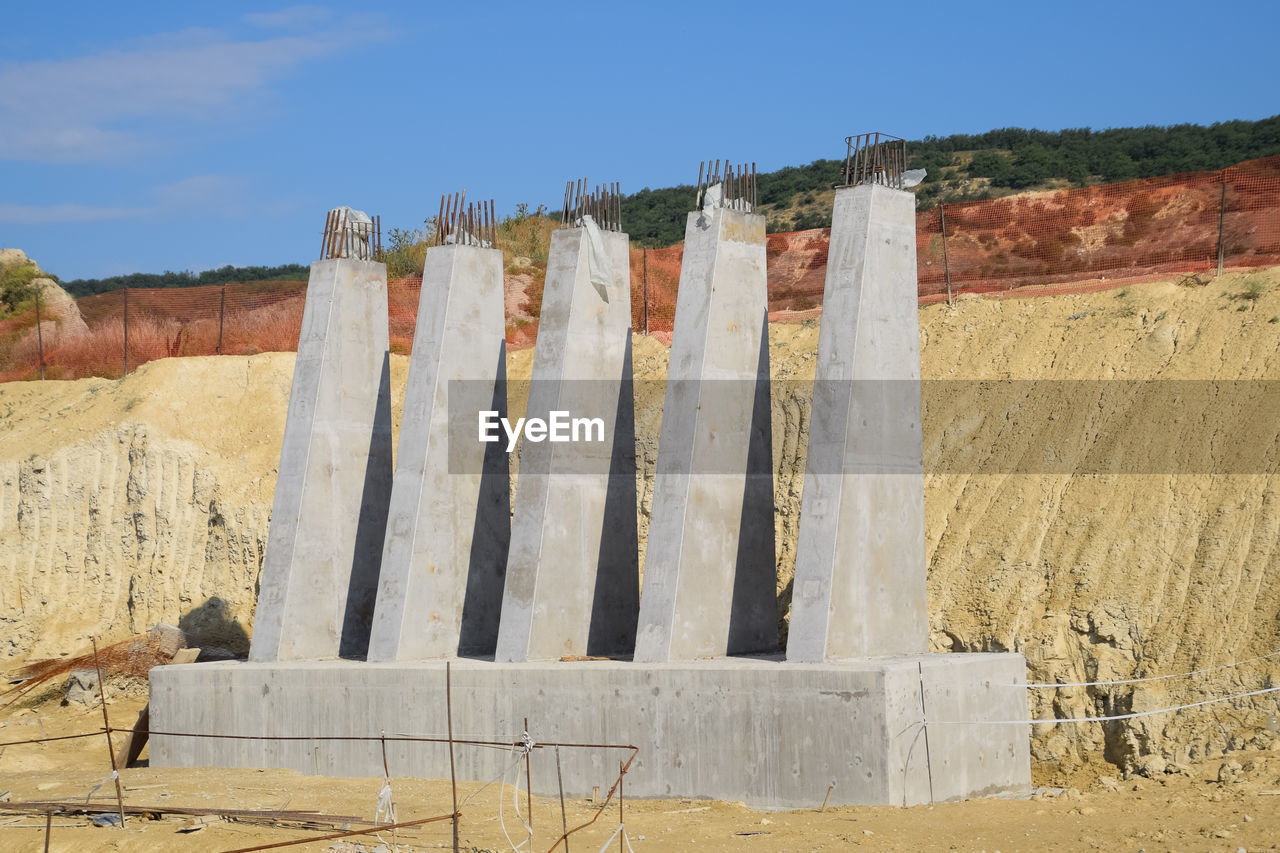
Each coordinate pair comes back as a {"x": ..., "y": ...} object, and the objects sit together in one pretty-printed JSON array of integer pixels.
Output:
[{"x": 1071, "y": 240}]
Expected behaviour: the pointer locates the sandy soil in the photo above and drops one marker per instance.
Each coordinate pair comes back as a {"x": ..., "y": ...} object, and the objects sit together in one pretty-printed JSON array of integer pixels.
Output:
[
  {"x": 1185, "y": 810},
  {"x": 127, "y": 503}
]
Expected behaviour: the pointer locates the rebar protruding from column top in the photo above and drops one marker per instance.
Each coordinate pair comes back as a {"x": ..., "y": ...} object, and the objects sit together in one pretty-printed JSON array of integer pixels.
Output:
[
  {"x": 351, "y": 233},
  {"x": 603, "y": 205},
  {"x": 472, "y": 225},
  {"x": 874, "y": 158},
  {"x": 734, "y": 188}
]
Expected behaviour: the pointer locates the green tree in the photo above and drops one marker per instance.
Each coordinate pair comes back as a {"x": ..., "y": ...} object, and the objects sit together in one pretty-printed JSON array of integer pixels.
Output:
[{"x": 16, "y": 288}]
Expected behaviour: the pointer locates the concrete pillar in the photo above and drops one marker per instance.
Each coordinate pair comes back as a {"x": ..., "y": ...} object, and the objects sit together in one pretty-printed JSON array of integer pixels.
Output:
[
  {"x": 320, "y": 570},
  {"x": 709, "y": 578},
  {"x": 860, "y": 559},
  {"x": 449, "y": 524},
  {"x": 573, "y": 585}
]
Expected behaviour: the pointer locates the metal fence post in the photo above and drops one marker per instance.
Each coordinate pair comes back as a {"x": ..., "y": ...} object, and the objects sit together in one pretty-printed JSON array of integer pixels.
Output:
[
  {"x": 222, "y": 313},
  {"x": 126, "y": 334},
  {"x": 1222, "y": 210},
  {"x": 946, "y": 261},
  {"x": 39, "y": 334}
]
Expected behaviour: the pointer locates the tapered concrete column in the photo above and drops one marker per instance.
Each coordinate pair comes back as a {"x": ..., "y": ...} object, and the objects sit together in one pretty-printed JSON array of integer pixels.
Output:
[
  {"x": 709, "y": 578},
  {"x": 449, "y": 523},
  {"x": 573, "y": 583},
  {"x": 860, "y": 557},
  {"x": 320, "y": 570}
]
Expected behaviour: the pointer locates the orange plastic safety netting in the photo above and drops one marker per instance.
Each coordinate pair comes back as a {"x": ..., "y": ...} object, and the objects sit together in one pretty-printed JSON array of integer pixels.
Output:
[{"x": 1055, "y": 242}]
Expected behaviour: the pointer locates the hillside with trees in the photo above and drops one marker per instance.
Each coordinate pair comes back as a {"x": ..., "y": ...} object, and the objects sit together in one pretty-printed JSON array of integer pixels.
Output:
[
  {"x": 222, "y": 275},
  {"x": 960, "y": 167},
  {"x": 986, "y": 165}
]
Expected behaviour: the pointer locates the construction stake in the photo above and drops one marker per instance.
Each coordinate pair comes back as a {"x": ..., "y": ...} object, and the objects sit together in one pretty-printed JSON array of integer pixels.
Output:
[
  {"x": 528, "y": 784},
  {"x": 106, "y": 724},
  {"x": 453, "y": 776},
  {"x": 564, "y": 821}
]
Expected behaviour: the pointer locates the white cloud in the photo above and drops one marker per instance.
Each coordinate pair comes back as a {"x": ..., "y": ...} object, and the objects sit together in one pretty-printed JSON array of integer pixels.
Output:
[
  {"x": 203, "y": 196},
  {"x": 48, "y": 214},
  {"x": 292, "y": 18},
  {"x": 80, "y": 109},
  {"x": 211, "y": 195}
]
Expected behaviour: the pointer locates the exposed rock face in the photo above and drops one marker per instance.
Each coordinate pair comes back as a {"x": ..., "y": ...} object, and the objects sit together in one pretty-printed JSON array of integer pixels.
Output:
[
  {"x": 59, "y": 315},
  {"x": 124, "y": 504},
  {"x": 60, "y": 319},
  {"x": 12, "y": 257},
  {"x": 115, "y": 533}
]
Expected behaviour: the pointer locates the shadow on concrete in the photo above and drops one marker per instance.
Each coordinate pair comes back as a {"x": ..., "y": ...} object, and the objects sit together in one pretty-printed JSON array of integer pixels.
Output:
[
  {"x": 615, "y": 605},
  {"x": 490, "y": 539},
  {"x": 753, "y": 626},
  {"x": 375, "y": 502}
]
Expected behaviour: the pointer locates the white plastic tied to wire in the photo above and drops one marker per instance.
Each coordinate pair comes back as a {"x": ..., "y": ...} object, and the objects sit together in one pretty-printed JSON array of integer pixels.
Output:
[
  {"x": 622, "y": 828},
  {"x": 463, "y": 237},
  {"x": 1048, "y": 685},
  {"x": 599, "y": 265},
  {"x": 521, "y": 750},
  {"x": 714, "y": 197},
  {"x": 115, "y": 774},
  {"x": 386, "y": 810}
]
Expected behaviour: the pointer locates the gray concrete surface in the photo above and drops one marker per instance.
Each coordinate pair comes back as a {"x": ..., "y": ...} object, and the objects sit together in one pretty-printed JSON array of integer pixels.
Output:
[
  {"x": 449, "y": 522},
  {"x": 324, "y": 546},
  {"x": 572, "y": 578},
  {"x": 709, "y": 577},
  {"x": 771, "y": 734},
  {"x": 860, "y": 554}
]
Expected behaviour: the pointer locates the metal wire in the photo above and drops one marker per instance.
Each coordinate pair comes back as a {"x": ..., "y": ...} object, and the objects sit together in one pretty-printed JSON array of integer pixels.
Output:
[
  {"x": 874, "y": 158},
  {"x": 346, "y": 239},
  {"x": 737, "y": 185},
  {"x": 603, "y": 205},
  {"x": 472, "y": 225}
]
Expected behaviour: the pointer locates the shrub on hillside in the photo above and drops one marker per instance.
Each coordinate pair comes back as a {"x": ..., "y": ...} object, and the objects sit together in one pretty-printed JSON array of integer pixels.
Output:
[
  {"x": 526, "y": 235},
  {"x": 405, "y": 253},
  {"x": 16, "y": 290}
]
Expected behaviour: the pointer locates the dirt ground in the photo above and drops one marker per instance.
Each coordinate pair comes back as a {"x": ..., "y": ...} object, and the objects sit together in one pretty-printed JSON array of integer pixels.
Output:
[
  {"x": 1186, "y": 810},
  {"x": 146, "y": 501}
]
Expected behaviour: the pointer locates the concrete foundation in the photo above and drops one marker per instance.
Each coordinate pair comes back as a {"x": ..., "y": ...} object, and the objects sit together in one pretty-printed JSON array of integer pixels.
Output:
[
  {"x": 773, "y": 735},
  {"x": 320, "y": 569},
  {"x": 449, "y": 522},
  {"x": 895, "y": 729},
  {"x": 710, "y": 585},
  {"x": 860, "y": 554},
  {"x": 572, "y": 578}
]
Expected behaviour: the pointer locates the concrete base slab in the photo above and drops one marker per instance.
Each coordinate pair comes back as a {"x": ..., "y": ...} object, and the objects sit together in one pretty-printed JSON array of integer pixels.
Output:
[{"x": 773, "y": 735}]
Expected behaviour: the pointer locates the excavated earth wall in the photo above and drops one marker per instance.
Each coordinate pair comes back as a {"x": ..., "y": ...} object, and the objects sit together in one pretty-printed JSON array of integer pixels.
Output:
[{"x": 126, "y": 503}]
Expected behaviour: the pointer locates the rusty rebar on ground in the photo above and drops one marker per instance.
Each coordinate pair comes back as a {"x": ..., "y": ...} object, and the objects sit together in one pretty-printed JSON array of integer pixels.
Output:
[{"x": 371, "y": 830}]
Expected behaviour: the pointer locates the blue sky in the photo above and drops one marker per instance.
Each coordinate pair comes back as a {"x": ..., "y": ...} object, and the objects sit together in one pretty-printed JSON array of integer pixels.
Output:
[{"x": 139, "y": 137}]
